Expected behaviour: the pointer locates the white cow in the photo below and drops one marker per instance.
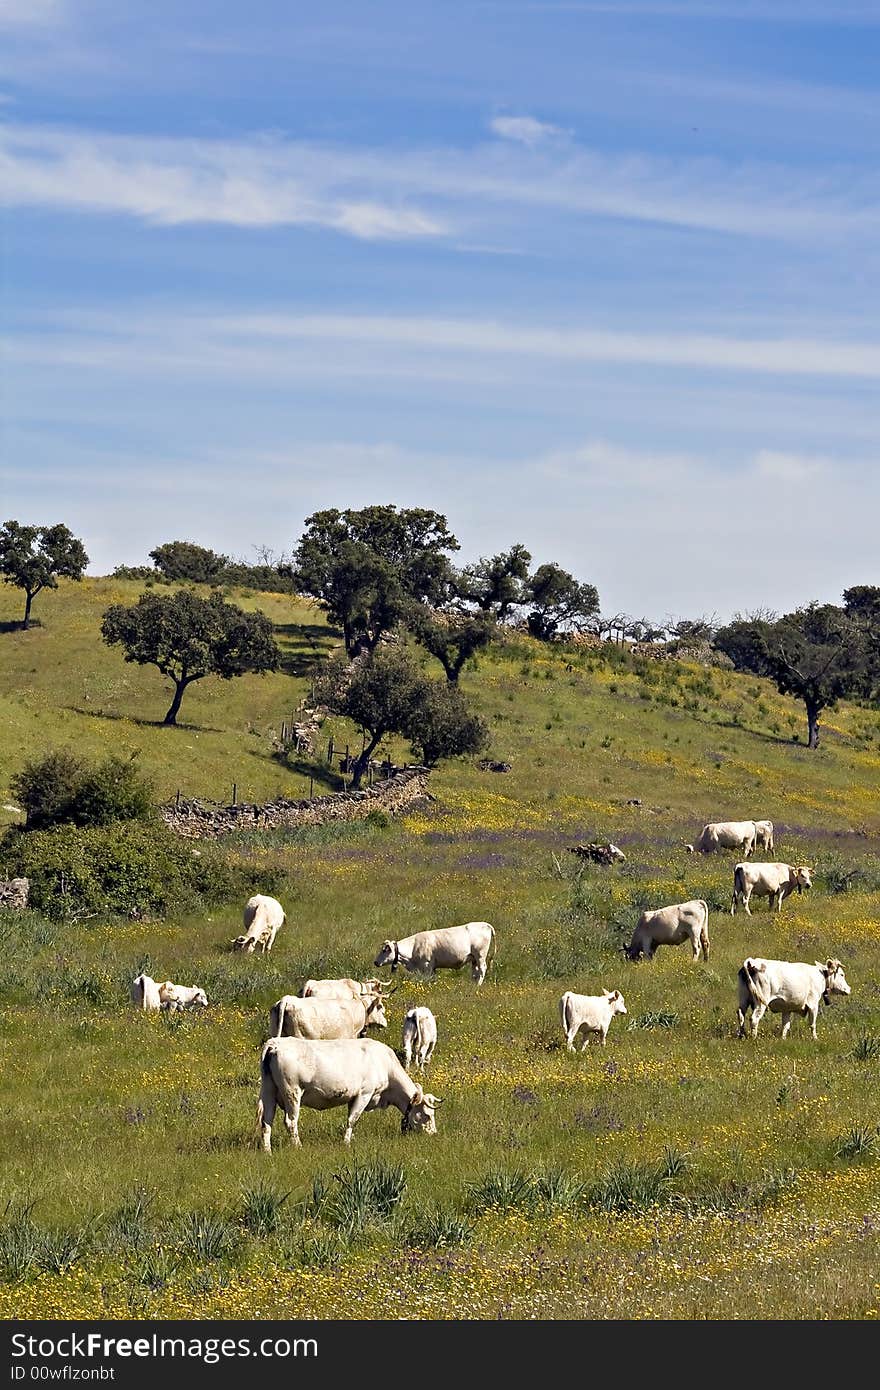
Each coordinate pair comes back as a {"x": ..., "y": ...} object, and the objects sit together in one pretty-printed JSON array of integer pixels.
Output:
[
  {"x": 669, "y": 926},
  {"x": 448, "y": 948},
  {"x": 786, "y": 987},
  {"x": 262, "y": 918},
  {"x": 419, "y": 1036},
  {"x": 764, "y": 835},
  {"x": 179, "y": 997},
  {"x": 592, "y": 1012},
  {"x": 772, "y": 881},
  {"x": 145, "y": 993},
  {"x": 345, "y": 988},
  {"x": 293, "y": 1017},
  {"x": 726, "y": 834},
  {"x": 358, "y": 1072}
]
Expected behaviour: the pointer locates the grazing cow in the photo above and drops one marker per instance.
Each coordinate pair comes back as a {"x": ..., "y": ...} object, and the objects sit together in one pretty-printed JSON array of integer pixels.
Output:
[
  {"x": 449, "y": 948},
  {"x": 345, "y": 988},
  {"x": 725, "y": 834},
  {"x": 786, "y": 987},
  {"x": 317, "y": 1019},
  {"x": 772, "y": 881},
  {"x": 764, "y": 835},
  {"x": 592, "y": 1012},
  {"x": 179, "y": 997},
  {"x": 358, "y": 1072},
  {"x": 145, "y": 993},
  {"x": 262, "y": 918},
  {"x": 419, "y": 1036},
  {"x": 669, "y": 926}
]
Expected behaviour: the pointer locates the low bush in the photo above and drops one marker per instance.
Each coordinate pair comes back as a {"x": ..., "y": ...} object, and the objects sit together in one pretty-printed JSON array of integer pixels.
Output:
[
  {"x": 61, "y": 788},
  {"x": 130, "y": 868}
]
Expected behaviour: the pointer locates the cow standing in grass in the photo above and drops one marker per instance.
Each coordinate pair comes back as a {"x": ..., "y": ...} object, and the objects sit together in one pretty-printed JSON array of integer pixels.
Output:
[{"x": 357, "y": 1072}]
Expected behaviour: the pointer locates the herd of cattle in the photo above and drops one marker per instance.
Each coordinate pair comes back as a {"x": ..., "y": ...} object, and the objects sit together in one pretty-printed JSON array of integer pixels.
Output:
[{"x": 318, "y": 1056}]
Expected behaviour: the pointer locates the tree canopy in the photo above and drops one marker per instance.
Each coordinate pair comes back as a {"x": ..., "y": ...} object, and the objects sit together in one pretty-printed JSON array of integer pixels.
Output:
[
  {"x": 33, "y": 558},
  {"x": 188, "y": 638},
  {"x": 497, "y": 585},
  {"x": 817, "y": 653},
  {"x": 558, "y": 601},
  {"x": 386, "y": 692},
  {"x": 184, "y": 560},
  {"x": 368, "y": 566}
]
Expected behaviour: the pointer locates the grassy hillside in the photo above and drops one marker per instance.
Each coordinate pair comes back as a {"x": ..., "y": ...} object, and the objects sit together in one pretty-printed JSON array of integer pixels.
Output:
[
  {"x": 60, "y": 684},
  {"x": 655, "y": 1177}
]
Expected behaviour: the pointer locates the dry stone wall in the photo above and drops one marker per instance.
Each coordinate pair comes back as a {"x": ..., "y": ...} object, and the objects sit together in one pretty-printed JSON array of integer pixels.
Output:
[
  {"x": 199, "y": 820},
  {"x": 14, "y": 893}
]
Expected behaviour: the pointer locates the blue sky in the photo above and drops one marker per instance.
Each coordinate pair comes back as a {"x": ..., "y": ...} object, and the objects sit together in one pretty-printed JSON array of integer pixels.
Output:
[{"x": 600, "y": 278}]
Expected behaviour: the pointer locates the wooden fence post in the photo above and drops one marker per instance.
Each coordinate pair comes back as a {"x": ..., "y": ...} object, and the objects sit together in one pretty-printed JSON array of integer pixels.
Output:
[
  {"x": 234, "y": 793},
  {"x": 177, "y": 799}
]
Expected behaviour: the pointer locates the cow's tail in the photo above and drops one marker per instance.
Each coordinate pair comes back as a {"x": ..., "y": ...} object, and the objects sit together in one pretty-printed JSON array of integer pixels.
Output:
[
  {"x": 739, "y": 887},
  {"x": 564, "y": 1010},
  {"x": 704, "y": 928},
  {"x": 490, "y": 954},
  {"x": 754, "y": 980},
  {"x": 267, "y": 1082}
]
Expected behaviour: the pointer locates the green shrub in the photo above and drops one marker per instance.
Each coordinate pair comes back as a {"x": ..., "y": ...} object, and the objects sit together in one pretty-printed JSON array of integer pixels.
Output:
[
  {"x": 130, "y": 868},
  {"x": 61, "y": 788}
]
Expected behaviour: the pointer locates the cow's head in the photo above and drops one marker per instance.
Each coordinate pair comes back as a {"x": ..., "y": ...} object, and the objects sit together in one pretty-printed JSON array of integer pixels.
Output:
[
  {"x": 835, "y": 980},
  {"x": 419, "y": 1114},
  {"x": 375, "y": 1013},
  {"x": 615, "y": 999},
  {"x": 244, "y": 943},
  {"x": 387, "y": 955},
  {"x": 802, "y": 877},
  {"x": 200, "y": 999},
  {"x": 616, "y": 853},
  {"x": 632, "y": 951}
]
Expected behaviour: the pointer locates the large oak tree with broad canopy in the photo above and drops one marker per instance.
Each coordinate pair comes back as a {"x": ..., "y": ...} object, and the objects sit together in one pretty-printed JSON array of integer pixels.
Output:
[
  {"x": 189, "y": 638},
  {"x": 818, "y": 653},
  {"x": 33, "y": 558},
  {"x": 370, "y": 566}
]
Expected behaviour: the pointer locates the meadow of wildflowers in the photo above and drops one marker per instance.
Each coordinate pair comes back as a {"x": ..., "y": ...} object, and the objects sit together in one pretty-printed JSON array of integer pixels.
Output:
[{"x": 677, "y": 1172}]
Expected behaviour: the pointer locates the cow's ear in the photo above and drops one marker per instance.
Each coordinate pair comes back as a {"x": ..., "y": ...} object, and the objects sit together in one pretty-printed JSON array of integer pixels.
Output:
[
  {"x": 418, "y": 1096},
  {"x": 831, "y": 965}
]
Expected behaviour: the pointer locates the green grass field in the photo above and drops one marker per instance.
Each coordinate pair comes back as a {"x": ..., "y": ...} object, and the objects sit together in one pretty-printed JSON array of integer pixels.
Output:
[{"x": 678, "y": 1172}]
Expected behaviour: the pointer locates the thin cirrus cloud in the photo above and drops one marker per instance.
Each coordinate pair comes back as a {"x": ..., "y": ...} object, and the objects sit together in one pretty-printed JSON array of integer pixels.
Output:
[
  {"x": 272, "y": 344},
  {"x": 425, "y": 192}
]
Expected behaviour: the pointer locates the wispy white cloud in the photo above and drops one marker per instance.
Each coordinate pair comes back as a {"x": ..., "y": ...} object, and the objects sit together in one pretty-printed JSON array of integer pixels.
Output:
[
  {"x": 170, "y": 182},
  {"x": 465, "y": 193},
  {"x": 275, "y": 344},
  {"x": 525, "y": 130}
]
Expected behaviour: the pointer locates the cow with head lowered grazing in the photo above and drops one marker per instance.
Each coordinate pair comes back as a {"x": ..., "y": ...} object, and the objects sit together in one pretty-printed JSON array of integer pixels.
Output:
[
  {"x": 448, "y": 948},
  {"x": 357, "y": 1072}
]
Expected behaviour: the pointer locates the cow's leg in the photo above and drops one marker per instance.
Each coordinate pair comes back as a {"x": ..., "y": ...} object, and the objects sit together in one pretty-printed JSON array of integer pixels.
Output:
[
  {"x": 291, "y": 1116},
  {"x": 733, "y": 904},
  {"x": 695, "y": 946},
  {"x": 355, "y": 1110},
  {"x": 478, "y": 968},
  {"x": 758, "y": 1012},
  {"x": 570, "y": 1036},
  {"x": 429, "y": 1052},
  {"x": 407, "y": 1053},
  {"x": 745, "y": 902},
  {"x": 704, "y": 941},
  {"x": 812, "y": 1015},
  {"x": 786, "y": 1025},
  {"x": 741, "y": 1020}
]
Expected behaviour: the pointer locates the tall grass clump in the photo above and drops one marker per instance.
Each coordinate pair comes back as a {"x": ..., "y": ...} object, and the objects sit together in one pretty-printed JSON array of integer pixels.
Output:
[
  {"x": 262, "y": 1209},
  {"x": 365, "y": 1193}
]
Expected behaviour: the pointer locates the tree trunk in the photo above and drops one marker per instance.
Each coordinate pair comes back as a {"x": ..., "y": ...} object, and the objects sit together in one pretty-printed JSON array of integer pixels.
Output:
[
  {"x": 359, "y": 766},
  {"x": 27, "y": 610},
  {"x": 812, "y": 725},
  {"x": 179, "y": 688}
]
